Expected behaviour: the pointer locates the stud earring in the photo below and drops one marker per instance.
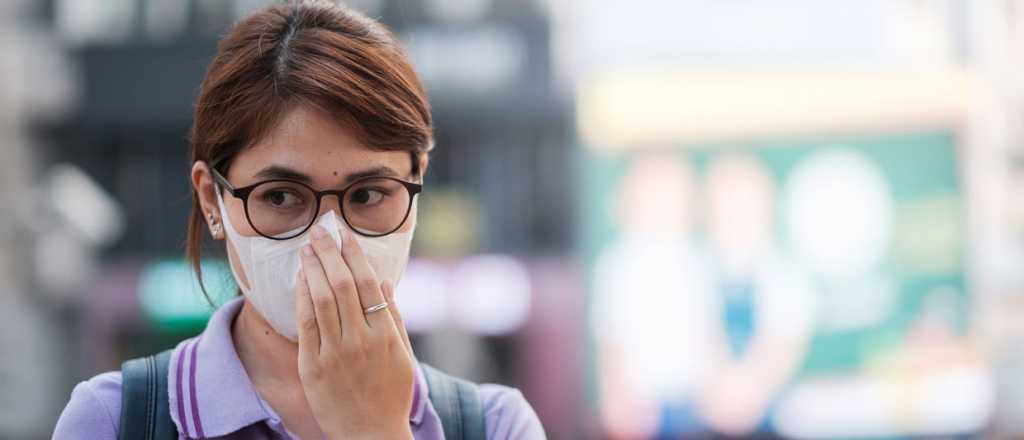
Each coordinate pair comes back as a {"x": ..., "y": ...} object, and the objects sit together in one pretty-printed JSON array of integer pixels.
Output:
[{"x": 214, "y": 226}]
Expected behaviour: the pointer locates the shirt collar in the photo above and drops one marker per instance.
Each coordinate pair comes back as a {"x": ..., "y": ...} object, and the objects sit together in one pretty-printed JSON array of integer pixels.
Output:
[{"x": 216, "y": 396}]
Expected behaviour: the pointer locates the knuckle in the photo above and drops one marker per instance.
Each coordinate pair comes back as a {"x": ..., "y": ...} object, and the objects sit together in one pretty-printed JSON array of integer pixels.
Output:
[
  {"x": 342, "y": 284},
  {"x": 352, "y": 247},
  {"x": 359, "y": 348},
  {"x": 308, "y": 324},
  {"x": 367, "y": 284},
  {"x": 308, "y": 260},
  {"x": 393, "y": 342},
  {"x": 323, "y": 243},
  {"x": 364, "y": 347},
  {"x": 322, "y": 303}
]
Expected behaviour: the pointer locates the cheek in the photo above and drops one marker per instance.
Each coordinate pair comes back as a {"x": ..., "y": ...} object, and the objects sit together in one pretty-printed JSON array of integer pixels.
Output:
[{"x": 410, "y": 222}]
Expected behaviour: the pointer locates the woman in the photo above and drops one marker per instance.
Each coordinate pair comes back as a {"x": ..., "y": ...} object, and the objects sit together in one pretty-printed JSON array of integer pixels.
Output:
[{"x": 309, "y": 143}]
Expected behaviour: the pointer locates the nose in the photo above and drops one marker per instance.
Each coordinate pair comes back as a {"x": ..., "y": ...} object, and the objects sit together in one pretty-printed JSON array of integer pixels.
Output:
[{"x": 330, "y": 202}]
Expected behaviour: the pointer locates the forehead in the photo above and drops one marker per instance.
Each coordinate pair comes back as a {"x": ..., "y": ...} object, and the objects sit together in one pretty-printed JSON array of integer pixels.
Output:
[{"x": 311, "y": 142}]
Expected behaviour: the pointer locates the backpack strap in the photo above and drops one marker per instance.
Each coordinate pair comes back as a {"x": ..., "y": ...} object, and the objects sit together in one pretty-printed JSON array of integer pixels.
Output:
[
  {"x": 145, "y": 412},
  {"x": 457, "y": 402}
]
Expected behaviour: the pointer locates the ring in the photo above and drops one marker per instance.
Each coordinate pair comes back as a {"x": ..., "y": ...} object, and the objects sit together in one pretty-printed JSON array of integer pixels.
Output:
[{"x": 375, "y": 308}]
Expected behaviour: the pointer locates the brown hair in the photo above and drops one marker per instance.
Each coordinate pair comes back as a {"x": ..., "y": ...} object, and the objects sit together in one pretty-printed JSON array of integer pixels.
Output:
[{"x": 306, "y": 52}]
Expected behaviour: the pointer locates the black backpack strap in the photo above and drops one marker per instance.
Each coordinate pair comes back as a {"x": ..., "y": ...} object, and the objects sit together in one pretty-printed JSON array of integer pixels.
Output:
[
  {"x": 457, "y": 402},
  {"x": 145, "y": 412}
]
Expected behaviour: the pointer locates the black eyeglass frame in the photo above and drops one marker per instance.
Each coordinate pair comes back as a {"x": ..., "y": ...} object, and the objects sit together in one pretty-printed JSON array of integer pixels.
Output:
[{"x": 243, "y": 193}]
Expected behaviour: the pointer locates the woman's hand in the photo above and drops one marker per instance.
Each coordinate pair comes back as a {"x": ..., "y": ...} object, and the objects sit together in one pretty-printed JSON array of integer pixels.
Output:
[{"x": 357, "y": 370}]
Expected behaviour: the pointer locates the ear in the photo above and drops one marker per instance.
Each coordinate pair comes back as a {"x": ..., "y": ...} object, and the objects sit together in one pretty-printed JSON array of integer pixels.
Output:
[{"x": 202, "y": 182}]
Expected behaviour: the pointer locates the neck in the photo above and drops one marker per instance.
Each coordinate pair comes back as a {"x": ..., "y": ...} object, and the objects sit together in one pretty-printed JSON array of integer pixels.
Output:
[{"x": 268, "y": 357}]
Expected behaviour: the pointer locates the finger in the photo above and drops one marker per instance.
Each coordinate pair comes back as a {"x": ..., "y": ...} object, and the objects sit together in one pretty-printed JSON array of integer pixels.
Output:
[
  {"x": 389, "y": 296},
  {"x": 339, "y": 278},
  {"x": 309, "y": 332},
  {"x": 324, "y": 306},
  {"x": 366, "y": 281}
]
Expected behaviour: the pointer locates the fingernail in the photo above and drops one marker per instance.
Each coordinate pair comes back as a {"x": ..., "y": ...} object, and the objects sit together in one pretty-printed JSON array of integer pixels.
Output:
[
  {"x": 318, "y": 232},
  {"x": 307, "y": 250}
]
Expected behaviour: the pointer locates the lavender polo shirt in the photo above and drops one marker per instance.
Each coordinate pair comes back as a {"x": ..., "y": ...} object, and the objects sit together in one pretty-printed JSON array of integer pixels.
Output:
[{"x": 211, "y": 396}]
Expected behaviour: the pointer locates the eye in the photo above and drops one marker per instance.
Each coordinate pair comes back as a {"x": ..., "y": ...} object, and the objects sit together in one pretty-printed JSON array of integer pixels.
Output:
[
  {"x": 282, "y": 198},
  {"x": 369, "y": 196}
]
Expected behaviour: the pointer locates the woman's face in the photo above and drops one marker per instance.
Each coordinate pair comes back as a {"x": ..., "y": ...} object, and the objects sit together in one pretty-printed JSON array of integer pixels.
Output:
[{"x": 306, "y": 146}]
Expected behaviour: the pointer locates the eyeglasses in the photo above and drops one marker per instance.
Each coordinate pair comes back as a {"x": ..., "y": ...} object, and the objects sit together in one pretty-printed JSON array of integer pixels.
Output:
[{"x": 280, "y": 209}]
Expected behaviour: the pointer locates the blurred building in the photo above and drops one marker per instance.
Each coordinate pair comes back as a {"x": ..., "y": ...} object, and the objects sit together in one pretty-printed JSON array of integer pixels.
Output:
[{"x": 33, "y": 340}]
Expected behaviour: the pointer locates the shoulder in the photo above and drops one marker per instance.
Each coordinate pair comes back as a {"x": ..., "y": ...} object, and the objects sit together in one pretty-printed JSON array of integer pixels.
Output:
[
  {"x": 94, "y": 410},
  {"x": 508, "y": 415}
]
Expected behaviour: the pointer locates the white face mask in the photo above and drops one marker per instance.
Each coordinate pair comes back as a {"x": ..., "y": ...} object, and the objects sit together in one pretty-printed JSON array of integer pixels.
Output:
[{"x": 272, "y": 266}]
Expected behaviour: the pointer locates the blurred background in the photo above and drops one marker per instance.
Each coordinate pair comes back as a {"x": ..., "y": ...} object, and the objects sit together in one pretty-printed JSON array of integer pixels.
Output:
[{"x": 659, "y": 219}]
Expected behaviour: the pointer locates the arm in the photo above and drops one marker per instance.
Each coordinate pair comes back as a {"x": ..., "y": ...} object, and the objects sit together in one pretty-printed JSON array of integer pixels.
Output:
[
  {"x": 94, "y": 410},
  {"x": 507, "y": 414}
]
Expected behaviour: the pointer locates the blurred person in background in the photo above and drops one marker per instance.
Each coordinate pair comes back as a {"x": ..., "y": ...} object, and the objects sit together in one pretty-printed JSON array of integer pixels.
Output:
[
  {"x": 766, "y": 301},
  {"x": 652, "y": 316},
  {"x": 309, "y": 144},
  {"x": 697, "y": 337}
]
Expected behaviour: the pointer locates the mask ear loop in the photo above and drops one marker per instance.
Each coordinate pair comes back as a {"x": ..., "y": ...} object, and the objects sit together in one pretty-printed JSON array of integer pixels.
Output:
[
  {"x": 225, "y": 219},
  {"x": 231, "y": 237}
]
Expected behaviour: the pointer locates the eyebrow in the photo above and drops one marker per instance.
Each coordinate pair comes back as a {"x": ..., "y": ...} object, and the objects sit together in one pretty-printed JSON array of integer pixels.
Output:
[{"x": 281, "y": 172}]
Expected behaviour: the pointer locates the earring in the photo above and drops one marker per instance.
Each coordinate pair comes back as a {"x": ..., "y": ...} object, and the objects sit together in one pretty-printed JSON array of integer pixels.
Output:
[{"x": 214, "y": 226}]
